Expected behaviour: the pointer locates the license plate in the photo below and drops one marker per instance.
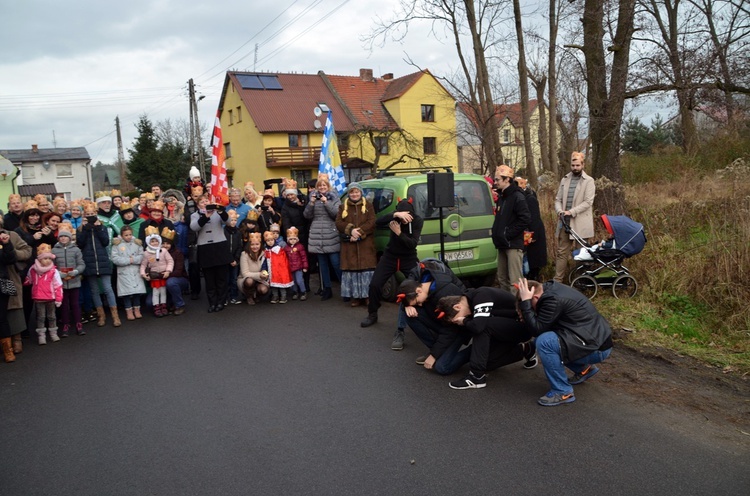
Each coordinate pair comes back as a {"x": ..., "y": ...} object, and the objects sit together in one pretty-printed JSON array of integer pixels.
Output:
[{"x": 453, "y": 256}]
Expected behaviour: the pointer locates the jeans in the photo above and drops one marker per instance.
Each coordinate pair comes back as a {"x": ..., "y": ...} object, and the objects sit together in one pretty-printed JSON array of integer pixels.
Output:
[
  {"x": 130, "y": 301},
  {"x": 453, "y": 357},
  {"x": 299, "y": 282},
  {"x": 176, "y": 286},
  {"x": 326, "y": 261},
  {"x": 234, "y": 293},
  {"x": 548, "y": 351},
  {"x": 93, "y": 282}
]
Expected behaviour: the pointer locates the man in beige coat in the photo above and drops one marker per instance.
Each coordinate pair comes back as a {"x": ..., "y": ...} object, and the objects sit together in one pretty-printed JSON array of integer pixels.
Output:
[{"x": 575, "y": 201}]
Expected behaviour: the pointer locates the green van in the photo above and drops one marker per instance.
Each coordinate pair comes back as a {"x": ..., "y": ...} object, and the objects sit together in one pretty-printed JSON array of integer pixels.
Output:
[{"x": 467, "y": 226}]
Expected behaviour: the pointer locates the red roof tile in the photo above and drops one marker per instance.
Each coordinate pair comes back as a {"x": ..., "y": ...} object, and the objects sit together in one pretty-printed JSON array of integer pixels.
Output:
[
  {"x": 365, "y": 100},
  {"x": 398, "y": 87},
  {"x": 291, "y": 108}
]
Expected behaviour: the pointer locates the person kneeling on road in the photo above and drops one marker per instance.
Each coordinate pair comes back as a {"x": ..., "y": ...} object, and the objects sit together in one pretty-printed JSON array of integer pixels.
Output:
[
  {"x": 570, "y": 333},
  {"x": 498, "y": 337},
  {"x": 444, "y": 340}
]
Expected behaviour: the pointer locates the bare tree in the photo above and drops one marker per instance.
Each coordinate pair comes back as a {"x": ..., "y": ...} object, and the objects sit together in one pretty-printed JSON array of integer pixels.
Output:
[
  {"x": 458, "y": 17},
  {"x": 523, "y": 80}
]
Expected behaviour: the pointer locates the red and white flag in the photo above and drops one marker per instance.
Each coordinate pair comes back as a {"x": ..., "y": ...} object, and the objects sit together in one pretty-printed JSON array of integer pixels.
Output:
[{"x": 219, "y": 186}]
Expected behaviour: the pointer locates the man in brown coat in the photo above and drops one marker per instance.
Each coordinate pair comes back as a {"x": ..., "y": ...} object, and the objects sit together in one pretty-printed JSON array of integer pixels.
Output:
[{"x": 574, "y": 201}]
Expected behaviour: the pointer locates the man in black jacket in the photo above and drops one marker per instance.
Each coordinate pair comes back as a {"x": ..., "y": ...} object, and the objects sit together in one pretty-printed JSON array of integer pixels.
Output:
[
  {"x": 400, "y": 254},
  {"x": 511, "y": 220},
  {"x": 570, "y": 333},
  {"x": 498, "y": 337},
  {"x": 419, "y": 295}
]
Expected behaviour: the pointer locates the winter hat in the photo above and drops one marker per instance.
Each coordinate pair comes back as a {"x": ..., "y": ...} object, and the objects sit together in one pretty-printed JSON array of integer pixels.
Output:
[
  {"x": 292, "y": 232},
  {"x": 405, "y": 206},
  {"x": 354, "y": 185},
  {"x": 194, "y": 173},
  {"x": 63, "y": 231},
  {"x": 44, "y": 251}
]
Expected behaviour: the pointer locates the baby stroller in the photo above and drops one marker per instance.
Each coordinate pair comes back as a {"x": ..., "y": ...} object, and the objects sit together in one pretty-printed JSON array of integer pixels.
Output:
[{"x": 601, "y": 265}]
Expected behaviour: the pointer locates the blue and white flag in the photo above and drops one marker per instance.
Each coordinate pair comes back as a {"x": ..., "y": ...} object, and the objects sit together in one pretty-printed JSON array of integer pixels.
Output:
[{"x": 330, "y": 160}]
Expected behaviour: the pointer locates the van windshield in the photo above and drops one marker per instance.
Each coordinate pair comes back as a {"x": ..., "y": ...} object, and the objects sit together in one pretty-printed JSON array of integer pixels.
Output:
[
  {"x": 381, "y": 198},
  {"x": 471, "y": 198}
]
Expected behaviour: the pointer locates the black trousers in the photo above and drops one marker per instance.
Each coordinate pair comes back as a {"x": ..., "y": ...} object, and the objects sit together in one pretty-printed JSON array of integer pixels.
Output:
[
  {"x": 194, "y": 276},
  {"x": 498, "y": 345},
  {"x": 217, "y": 289},
  {"x": 387, "y": 266}
]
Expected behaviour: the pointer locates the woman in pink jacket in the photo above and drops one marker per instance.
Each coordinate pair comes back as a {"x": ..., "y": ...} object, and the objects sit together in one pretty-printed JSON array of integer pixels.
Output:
[{"x": 46, "y": 292}]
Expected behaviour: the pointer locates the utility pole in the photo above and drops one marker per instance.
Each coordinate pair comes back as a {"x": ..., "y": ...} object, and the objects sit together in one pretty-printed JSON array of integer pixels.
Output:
[
  {"x": 196, "y": 144},
  {"x": 121, "y": 169}
]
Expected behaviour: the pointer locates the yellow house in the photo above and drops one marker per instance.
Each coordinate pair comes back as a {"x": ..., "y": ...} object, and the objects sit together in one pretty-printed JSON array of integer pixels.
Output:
[
  {"x": 272, "y": 128},
  {"x": 510, "y": 128}
]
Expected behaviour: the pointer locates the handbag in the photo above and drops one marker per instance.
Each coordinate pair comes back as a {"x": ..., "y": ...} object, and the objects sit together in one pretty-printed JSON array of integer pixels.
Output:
[{"x": 7, "y": 287}]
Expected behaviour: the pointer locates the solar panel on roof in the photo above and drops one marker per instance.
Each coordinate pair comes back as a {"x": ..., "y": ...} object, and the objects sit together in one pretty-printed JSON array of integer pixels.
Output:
[
  {"x": 249, "y": 82},
  {"x": 270, "y": 82}
]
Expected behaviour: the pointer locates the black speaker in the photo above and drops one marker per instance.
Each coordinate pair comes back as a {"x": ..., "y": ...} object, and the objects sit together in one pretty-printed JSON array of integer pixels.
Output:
[{"x": 440, "y": 189}]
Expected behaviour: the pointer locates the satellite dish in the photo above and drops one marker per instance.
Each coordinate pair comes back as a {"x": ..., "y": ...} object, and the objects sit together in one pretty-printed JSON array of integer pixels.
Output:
[
  {"x": 317, "y": 112},
  {"x": 317, "y": 123}
]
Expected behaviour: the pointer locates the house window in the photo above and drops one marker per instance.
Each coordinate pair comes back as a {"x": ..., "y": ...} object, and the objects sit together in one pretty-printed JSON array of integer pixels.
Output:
[
  {"x": 227, "y": 150},
  {"x": 64, "y": 170},
  {"x": 239, "y": 114},
  {"x": 429, "y": 145},
  {"x": 381, "y": 145},
  {"x": 509, "y": 162},
  {"x": 428, "y": 113},
  {"x": 28, "y": 172},
  {"x": 506, "y": 135},
  {"x": 302, "y": 177},
  {"x": 231, "y": 117},
  {"x": 298, "y": 141}
]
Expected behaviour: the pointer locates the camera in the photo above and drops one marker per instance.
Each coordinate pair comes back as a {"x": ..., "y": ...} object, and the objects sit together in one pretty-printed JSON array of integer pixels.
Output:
[{"x": 264, "y": 207}]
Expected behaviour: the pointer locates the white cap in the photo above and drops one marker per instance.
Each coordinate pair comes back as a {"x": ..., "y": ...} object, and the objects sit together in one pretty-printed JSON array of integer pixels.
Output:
[{"x": 194, "y": 172}]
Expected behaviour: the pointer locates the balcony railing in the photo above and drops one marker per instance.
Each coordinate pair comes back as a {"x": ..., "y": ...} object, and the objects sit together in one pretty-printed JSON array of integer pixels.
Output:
[{"x": 298, "y": 157}]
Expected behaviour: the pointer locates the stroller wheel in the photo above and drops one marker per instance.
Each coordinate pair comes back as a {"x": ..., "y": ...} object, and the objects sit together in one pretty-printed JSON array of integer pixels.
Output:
[
  {"x": 586, "y": 285},
  {"x": 625, "y": 286},
  {"x": 577, "y": 271}
]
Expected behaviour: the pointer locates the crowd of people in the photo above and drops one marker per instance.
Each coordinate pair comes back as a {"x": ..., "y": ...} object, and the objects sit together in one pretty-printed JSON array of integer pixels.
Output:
[{"x": 62, "y": 260}]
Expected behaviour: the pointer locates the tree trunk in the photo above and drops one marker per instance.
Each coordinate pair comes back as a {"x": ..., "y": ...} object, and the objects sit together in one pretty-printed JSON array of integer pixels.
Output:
[
  {"x": 524, "y": 84},
  {"x": 552, "y": 164},
  {"x": 545, "y": 145}
]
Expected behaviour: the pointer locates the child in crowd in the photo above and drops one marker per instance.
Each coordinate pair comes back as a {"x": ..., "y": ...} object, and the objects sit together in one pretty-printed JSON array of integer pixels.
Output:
[
  {"x": 178, "y": 283},
  {"x": 249, "y": 225},
  {"x": 46, "y": 292},
  {"x": 268, "y": 214},
  {"x": 156, "y": 266},
  {"x": 127, "y": 255},
  {"x": 297, "y": 257},
  {"x": 276, "y": 230},
  {"x": 234, "y": 239},
  {"x": 70, "y": 264},
  {"x": 253, "y": 279},
  {"x": 277, "y": 266}
]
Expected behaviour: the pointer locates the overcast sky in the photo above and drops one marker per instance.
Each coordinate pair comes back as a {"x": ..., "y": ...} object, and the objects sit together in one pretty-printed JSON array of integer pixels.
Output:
[{"x": 69, "y": 68}]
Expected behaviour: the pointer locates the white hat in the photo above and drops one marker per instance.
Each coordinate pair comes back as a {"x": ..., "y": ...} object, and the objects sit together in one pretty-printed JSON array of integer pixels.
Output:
[{"x": 194, "y": 173}]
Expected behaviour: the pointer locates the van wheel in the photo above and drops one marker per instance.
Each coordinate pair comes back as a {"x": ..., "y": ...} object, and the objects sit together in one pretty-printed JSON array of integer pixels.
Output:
[{"x": 389, "y": 289}]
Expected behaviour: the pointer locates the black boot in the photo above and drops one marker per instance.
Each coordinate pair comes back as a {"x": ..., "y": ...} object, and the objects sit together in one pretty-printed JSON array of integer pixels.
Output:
[
  {"x": 327, "y": 294},
  {"x": 369, "y": 320}
]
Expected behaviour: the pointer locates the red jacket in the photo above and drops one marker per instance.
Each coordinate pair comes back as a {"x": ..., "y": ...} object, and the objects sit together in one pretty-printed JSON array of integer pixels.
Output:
[{"x": 297, "y": 256}]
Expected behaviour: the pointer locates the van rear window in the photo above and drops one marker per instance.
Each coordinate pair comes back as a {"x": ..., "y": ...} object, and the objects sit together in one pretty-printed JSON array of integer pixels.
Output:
[
  {"x": 471, "y": 198},
  {"x": 381, "y": 198}
]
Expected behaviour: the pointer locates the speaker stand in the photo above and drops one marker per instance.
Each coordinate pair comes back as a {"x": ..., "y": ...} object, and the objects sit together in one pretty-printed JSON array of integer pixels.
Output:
[{"x": 442, "y": 239}]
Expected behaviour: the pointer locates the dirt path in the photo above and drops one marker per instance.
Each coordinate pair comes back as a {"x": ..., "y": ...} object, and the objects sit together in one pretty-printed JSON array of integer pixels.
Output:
[{"x": 662, "y": 377}]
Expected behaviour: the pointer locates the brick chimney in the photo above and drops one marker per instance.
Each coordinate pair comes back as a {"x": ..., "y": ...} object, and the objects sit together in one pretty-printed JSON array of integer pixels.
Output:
[
  {"x": 35, "y": 148},
  {"x": 365, "y": 75},
  {"x": 388, "y": 77}
]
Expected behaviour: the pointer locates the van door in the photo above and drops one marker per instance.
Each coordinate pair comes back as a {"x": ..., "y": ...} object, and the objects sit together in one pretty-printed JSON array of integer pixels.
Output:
[{"x": 473, "y": 223}]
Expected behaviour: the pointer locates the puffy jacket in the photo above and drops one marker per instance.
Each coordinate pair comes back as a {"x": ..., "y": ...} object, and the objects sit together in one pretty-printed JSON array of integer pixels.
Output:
[
  {"x": 566, "y": 312},
  {"x": 297, "y": 257},
  {"x": 45, "y": 286},
  {"x": 129, "y": 280},
  {"x": 93, "y": 241},
  {"x": 512, "y": 219},
  {"x": 69, "y": 257},
  {"x": 323, "y": 236}
]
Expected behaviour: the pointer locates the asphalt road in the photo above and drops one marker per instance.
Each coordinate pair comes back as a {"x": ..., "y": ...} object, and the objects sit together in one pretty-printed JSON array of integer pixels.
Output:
[{"x": 298, "y": 399}]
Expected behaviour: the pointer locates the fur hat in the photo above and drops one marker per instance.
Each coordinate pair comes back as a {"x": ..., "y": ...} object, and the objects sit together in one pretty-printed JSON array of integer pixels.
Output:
[
  {"x": 44, "y": 251},
  {"x": 292, "y": 232},
  {"x": 504, "y": 171},
  {"x": 194, "y": 173},
  {"x": 254, "y": 237},
  {"x": 168, "y": 234}
]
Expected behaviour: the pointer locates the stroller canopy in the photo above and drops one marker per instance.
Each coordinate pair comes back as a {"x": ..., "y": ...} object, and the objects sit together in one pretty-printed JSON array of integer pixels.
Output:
[{"x": 629, "y": 235}]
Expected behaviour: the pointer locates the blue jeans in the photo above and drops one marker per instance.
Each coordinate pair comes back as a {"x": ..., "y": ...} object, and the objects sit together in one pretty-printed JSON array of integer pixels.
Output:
[
  {"x": 299, "y": 282},
  {"x": 452, "y": 359},
  {"x": 326, "y": 261},
  {"x": 234, "y": 272},
  {"x": 175, "y": 287},
  {"x": 548, "y": 350},
  {"x": 93, "y": 282}
]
